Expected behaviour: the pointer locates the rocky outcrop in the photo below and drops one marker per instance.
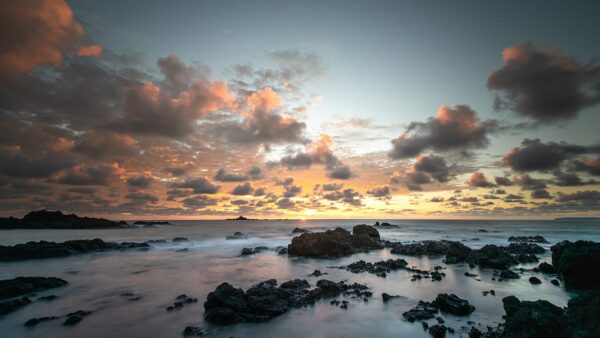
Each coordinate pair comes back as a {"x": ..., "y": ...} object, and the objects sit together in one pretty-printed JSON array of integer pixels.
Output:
[
  {"x": 423, "y": 311},
  {"x": 532, "y": 239},
  {"x": 578, "y": 263},
  {"x": 44, "y": 219},
  {"x": 252, "y": 251},
  {"x": 331, "y": 243},
  {"x": 180, "y": 301},
  {"x": 228, "y": 305},
  {"x": 423, "y": 248},
  {"x": 582, "y": 315},
  {"x": 493, "y": 257},
  {"x": 382, "y": 268},
  {"x": 367, "y": 230},
  {"x": 10, "y": 288},
  {"x": 44, "y": 249},
  {"x": 299, "y": 231},
  {"x": 533, "y": 319},
  {"x": 237, "y": 235},
  {"x": 451, "y": 303},
  {"x": 547, "y": 268}
]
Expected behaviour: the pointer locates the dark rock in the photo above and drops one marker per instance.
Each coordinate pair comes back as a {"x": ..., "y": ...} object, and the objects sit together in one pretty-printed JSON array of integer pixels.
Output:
[
  {"x": 331, "y": 243},
  {"x": 482, "y": 230},
  {"x": 48, "y": 298},
  {"x": 467, "y": 274},
  {"x": 75, "y": 317},
  {"x": 317, "y": 273},
  {"x": 533, "y": 239},
  {"x": 457, "y": 253},
  {"x": 555, "y": 282},
  {"x": 493, "y": 257},
  {"x": 547, "y": 268},
  {"x": 281, "y": 250},
  {"x": 19, "y": 286},
  {"x": 180, "y": 239},
  {"x": 44, "y": 219},
  {"x": 237, "y": 235},
  {"x": 299, "y": 231},
  {"x": 13, "y": 304},
  {"x": 385, "y": 225},
  {"x": 534, "y": 280},
  {"x": 438, "y": 331},
  {"x": 509, "y": 274},
  {"x": 525, "y": 248},
  {"x": 583, "y": 313},
  {"x": 181, "y": 300},
  {"x": 36, "y": 321},
  {"x": 379, "y": 268},
  {"x": 151, "y": 223},
  {"x": 475, "y": 333},
  {"x": 423, "y": 248},
  {"x": 425, "y": 326},
  {"x": 578, "y": 262},
  {"x": 423, "y": 311},
  {"x": 440, "y": 320},
  {"x": 367, "y": 230},
  {"x": 228, "y": 305},
  {"x": 451, "y": 303},
  {"x": 193, "y": 331},
  {"x": 44, "y": 249},
  {"x": 387, "y": 297},
  {"x": 533, "y": 319},
  {"x": 252, "y": 251}
]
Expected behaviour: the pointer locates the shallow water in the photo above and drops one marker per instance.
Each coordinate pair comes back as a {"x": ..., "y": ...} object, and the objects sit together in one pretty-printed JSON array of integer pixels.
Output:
[{"x": 96, "y": 281}]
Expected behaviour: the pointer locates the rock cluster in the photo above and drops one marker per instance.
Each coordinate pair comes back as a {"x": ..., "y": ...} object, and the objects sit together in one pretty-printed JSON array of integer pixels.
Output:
[
  {"x": 382, "y": 268},
  {"x": 44, "y": 249},
  {"x": 449, "y": 303},
  {"x": 533, "y": 239},
  {"x": 334, "y": 243},
  {"x": 578, "y": 263},
  {"x": 228, "y": 305}
]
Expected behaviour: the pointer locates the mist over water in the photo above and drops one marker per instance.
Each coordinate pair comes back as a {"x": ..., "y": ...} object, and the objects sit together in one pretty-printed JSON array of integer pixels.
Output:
[{"x": 97, "y": 281}]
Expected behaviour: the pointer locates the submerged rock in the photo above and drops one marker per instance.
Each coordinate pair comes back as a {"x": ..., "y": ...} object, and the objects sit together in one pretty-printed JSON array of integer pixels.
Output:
[
  {"x": 387, "y": 297},
  {"x": 19, "y": 286},
  {"x": 44, "y": 249},
  {"x": 13, "y": 304},
  {"x": 492, "y": 256},
  {"x": 578, "y": 263},
  {"x": 228, "y": 305},
  {"x": 75, "y": 317},
  {"x": 36, "y": 321},
  {"x": 534, "y": 280},
  {"x": 237, "y": 235},
  {"x": 252, "y": 251},
  {"x": 385, "y": 225},
  {"x": 331, "y": 243},
  {"x": 180, "y": 301},
  {"x": 382, "y": 268},
  {"x": 533, "y": 239}
]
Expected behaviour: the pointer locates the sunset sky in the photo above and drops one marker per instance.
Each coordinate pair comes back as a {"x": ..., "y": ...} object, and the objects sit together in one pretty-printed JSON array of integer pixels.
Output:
[{"x": 281, "y": 109}]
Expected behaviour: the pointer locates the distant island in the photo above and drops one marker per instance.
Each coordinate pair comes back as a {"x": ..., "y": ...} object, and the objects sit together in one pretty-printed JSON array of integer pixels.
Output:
[
  {"x": 151, "y": 223},
  {"x": 241, "y": 218},
  {"x": 44, "y": 219},
  {"x": 577, "y": 219}
]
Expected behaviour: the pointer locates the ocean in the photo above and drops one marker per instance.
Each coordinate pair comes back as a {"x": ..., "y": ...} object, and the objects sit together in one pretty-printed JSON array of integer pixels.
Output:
[{"x": 195, "y": 267}]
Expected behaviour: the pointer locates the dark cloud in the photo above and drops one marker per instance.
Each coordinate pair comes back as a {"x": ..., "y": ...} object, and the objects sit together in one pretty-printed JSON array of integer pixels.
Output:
[
  {"x": 199, "y": 185},
  {"x": 436, "y": 199},
  {"x": 138, "y": 196},
  {"x": 433, "y": 165},
  {"x": 583, "y": 197},
  {"x": 543, "y": 84},
  {"x": 534, "y": 155},
  {"x": 291, "y": 190},
  {"x": 456, "y": 128},
  {"x": 340, "y": 172},
  {"x": 540, "y": 194},
  {"x": 591, "y": 166},
  {"x": 529, "y": 183},
  {"x": 88, "y": 175},
  {"x": 285, "y": 203},
  {"x": 223, "y": 176},
  {"x": 243, "y": 189},
  {"x": 176, "y": 171},
  {"x": 20, "y": 165},
  {"x": 570, "y": 180},
  {"x": 503, "y": 181},
  {"x": 352, "y": 197},
  {"x": 104, "y": 144},
  {"x": 141, "y": 181},
  {"x": 380, "y": 192},
  {"x": 260, "y": 192},
  {"x": 199, "y": 202}
]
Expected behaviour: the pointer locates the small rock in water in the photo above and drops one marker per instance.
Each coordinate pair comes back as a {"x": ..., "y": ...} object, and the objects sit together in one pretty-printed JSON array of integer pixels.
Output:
[
  {"x": 194, "y": 331},
  {"x": 317, "y": 273},
  {"x": 48, "y": 298},
  {"x": 180, "y": 301},
  {"x": 438, "y": 331},
  {"x": 36, "y": 321},
  {"x": 75, "y": 317},
  {"x": 534, "y": 280},
  {"x": 387, "y": 297},
  {"x": 555, "y": 281}
]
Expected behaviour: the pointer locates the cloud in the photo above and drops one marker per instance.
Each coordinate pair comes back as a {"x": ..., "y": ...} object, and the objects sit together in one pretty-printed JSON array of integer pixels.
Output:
[
  {"x": 260, "y": 192},
  {"x": 141, "y": 181},
  {"x": 89, "y": 175},
  {"x": 35, "y": 33},
  {"x": 243, "y": 189},
  {"x": 380, "y": 192},
  {"x": 199, "y": 202},
  {"x": 570, "y": 180},
  {"x": 102, "y": 144},
  {"x": 534, "y": 155},
  {"x": 434, "y": 165},
  {"x": 456, "y": 128},
  {"x": 529, "y": 183},
  {"x": 591, "y": 166},
  {"x": 21, "y": 165},
  {"x": 223, "y": 176},
  {"x": 583, "y": 197},
  {"x": 478, "y": 180},
  {"x": 352, "y": 197},
  {"x": 199, "y": 185},
  {"x": 540, "y": 194},
  {"x": 503, "y": 181},
  {"x": 291, "y": 190},
  {"x": 541, "y": 83},
  {"x": 340, "y": 172},
  {"x": 138, "y": 196}
]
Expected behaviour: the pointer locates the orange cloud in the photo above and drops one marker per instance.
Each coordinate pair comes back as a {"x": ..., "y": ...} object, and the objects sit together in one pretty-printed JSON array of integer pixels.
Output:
[
  {"x": 34, "y": 33},
  {"x": 264, "y": 100}
]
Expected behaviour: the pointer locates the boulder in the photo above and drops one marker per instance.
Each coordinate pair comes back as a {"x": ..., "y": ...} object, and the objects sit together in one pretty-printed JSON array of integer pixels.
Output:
[
  {"x": 533, "y": 319},
  {"x": 367, "y": 230},
  {"x": 578, "y": 263},
  {"x": 331, "y": 243},
  {"x": 457, "y": 253},
  {"x": 438, "y": 331},
  {"x": 534, "y": 280},
  {"x": 451, "y": 303},
  {"x": 19, "y": 286},
  {"x": 547, "y": 268}
]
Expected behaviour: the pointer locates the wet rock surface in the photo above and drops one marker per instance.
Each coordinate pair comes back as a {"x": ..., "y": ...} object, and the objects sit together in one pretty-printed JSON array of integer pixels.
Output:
[
  {"x": 19, "y": 286},
  {"x": 578, "y": 263},
  {"x": 332, "y": 243},
  {"x": 237, "y": 235},
  {"x": 191, "y": 331},
  {"x": 228, "y": 305},
  {"x": 252, "y": 251},
  {"x": 44, "y": 249}
]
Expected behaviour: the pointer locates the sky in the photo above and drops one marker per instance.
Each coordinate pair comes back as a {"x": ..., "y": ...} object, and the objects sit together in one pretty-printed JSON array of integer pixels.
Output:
[{"x": 305, "y": 109}]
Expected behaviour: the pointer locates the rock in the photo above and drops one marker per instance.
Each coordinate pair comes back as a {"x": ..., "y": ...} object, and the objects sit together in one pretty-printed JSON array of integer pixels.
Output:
[
  {"x": 281, "y": 250},
  {"x": 36, "y": 321},
  {"x": 438, "y": 331},
  {"x": 467, "y": 274},
  {"x": 331, "y": 243},
  {"x": 252, "y": 251},
  {"x": 44, "y": 249},
  {"x": 299, "y": 231},
  {"x": 457, "y": 253},
  {"x": 533, "y": 239},
  {"x": 547, "y": 268},
  {"x": 555, "y": 282},
  {"x": 193, "y": 331},
  {"x": 493, "y": 257},
  {"x": 451, "y": 303},
  {"x": 533, "y": 319},
  {"x": 482, "y": 230},
  {"x": 367, "y": 230},
  {"x": 13, "y": 304},
  {"x": 582, "y": 315},
  {"x": 48, "y": 298},
  {"x": 75, "y": 317},
  {"x": 317, "y": 273},
  {"x": 180, "y": 239},
  {"x": 385, "y": 225},
  {"x": 228, "y": 305},
  {"x": 525, "y": 248},
  {"x": 44, "y": 219},
  {"x": 423, "y": 248},
  {"x": 423, "y": 311},
  {"x": 19, "y": 286},
  {"x": 475, "y": 333},
  {"x": 237, "y": 235},
  {"x": 181, "y": 300},
  {"x": 509, "y": 274},
  {"x": 387, "y": 297},
  {"x": 151, "y": 223},
  {"x": 534, "y": 280},
  {"x": 379, "y": 268},
  {"x": 578, "y": 262},
  {"x": 425, "y": 326}
]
